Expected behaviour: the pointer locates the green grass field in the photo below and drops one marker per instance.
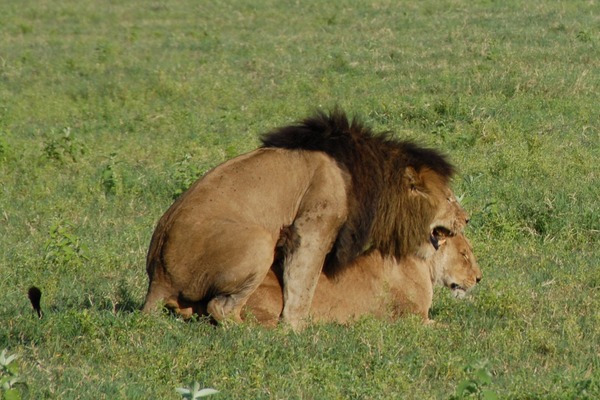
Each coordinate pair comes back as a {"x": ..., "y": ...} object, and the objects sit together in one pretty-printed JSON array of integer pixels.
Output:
[{"x": 109, "y": 110}]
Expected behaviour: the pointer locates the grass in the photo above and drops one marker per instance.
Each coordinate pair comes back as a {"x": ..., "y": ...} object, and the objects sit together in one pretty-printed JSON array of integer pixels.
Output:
[{"x": 109, "y": 110}]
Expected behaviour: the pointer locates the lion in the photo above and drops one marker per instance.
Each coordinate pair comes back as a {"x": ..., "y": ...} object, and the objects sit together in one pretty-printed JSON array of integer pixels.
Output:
[
  {"x": 342, "y": 189},
  {"x": 375, "y": 285}
]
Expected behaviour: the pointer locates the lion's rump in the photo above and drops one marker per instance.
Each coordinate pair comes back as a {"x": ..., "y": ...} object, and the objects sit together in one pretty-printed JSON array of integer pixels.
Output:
[{"x": 210, "y": 240}]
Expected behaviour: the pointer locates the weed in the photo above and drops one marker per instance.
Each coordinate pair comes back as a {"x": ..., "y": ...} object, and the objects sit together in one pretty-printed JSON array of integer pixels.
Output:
[
  {"x": 195, "y": 392},
  {"x": 110, "y": 179},
  {"x": 63, "y": 146},
  {"x": 584, "y": 36},
  {"x": 476, "y": 385},
  {"x": 64, "y": 248},
  {"x": 186, "y": 173},
  {"x": 9, "y": 377}
]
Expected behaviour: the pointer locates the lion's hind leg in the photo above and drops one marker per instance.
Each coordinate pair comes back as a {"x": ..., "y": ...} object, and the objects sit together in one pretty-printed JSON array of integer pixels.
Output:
[
  {"x": 246, "y": 269},
  {"x": 162, "y": 296},
  {"x": 229, "y": 306}
]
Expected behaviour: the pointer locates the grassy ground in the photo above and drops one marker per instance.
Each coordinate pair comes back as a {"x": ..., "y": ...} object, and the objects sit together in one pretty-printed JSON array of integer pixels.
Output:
[{"x": 108, "y": 110}]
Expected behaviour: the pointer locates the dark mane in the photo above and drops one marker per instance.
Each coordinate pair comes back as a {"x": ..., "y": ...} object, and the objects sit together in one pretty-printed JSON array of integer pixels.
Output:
[{"x": 377, "y": 164}]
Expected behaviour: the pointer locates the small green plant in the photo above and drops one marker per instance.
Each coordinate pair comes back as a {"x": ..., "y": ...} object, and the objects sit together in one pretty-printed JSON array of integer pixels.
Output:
[
  {"x": 110, "y": 178},
  {"x": 186, "y": 173},
  {"x": 475, "y": 385},
  {"x": 584, "y": 36},
  {"x": 63, "y": 146},
  {"x": 64, "y": 248},
  {"x": 9, "y": 377},
  {"x": 195, "y": 392}
]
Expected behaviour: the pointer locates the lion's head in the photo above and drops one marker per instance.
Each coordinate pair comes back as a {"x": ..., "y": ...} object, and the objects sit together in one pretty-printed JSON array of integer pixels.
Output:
[
  {"x": 455, "y": 266},
  {"x": 441, "y": 213}
]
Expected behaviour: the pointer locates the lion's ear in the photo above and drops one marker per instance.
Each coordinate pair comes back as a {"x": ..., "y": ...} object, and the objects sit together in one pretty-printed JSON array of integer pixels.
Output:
[{"x": 413, "y": 181}]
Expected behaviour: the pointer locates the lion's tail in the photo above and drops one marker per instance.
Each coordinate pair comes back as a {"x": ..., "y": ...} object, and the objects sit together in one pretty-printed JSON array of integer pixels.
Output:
[{"x": 35, "y": 297}]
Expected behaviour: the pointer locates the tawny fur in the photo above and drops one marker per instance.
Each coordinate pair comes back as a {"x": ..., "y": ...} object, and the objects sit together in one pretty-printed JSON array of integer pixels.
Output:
[
  {"x": 216, "y": 243},
  {"x": 375, "y": 285}
]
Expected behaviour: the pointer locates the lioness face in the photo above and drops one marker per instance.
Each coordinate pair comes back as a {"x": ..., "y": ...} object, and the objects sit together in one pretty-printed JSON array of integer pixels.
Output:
[{"x": 455, "y": 265}]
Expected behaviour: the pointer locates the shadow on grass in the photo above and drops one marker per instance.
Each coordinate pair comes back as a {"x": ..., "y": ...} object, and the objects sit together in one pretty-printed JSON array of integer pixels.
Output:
[
  {"x": 127, "y": 303},
  {"x": 119, "y": 301}
]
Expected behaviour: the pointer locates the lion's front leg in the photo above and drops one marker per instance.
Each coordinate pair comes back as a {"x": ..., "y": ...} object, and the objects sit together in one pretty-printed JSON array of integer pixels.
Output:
[
  {"x": 303, "y": 265},
  {"x": 299, "y": 282}
]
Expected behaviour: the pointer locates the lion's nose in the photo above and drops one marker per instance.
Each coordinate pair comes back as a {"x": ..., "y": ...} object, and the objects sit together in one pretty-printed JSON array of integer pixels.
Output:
[
  {"x": 467, "y": 220},
  {"x": 478, "y": 279}
]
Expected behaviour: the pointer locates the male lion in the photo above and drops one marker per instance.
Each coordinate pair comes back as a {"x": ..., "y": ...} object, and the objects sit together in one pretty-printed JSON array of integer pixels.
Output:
[
  {"x": 340, "y": 188},
  {"x": 375, "y": 285}
]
